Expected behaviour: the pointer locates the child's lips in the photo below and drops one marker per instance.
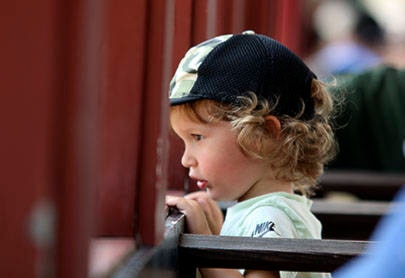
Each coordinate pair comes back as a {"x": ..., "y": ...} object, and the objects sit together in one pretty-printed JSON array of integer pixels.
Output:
[{"x": 202, "y": 184}]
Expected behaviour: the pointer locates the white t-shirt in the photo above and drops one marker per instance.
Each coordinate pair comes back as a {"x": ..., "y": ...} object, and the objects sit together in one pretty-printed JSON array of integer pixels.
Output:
[{"x": 274, "y": 215}]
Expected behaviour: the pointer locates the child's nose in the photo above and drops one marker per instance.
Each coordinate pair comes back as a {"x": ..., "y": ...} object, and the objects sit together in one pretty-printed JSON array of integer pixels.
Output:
[{"x": 188, "y": 160}]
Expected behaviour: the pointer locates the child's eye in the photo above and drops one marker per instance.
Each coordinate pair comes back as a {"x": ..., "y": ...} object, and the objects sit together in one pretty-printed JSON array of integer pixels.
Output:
[{"x": 197, "y": 137}]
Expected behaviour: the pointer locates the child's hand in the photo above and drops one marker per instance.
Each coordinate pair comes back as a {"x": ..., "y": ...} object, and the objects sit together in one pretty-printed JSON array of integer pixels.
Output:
[
  {"x": 196, "y": 220},
  {"x": 213, "y": 213},
  {"x": 202, "y": 213}
]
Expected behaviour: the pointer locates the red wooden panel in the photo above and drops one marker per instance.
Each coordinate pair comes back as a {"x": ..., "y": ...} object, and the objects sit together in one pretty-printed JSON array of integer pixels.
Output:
[
  {"x": 228, "y": 12},
  {"x": 289, "y": 27},
  {"x": 75, "y": 170},
  {"x": 47, "y": 151},
  {"x": 181, "y": 43},
  {"x": 120, "y": 106},
  {"x": 134, "y": 107},
  {"x": 238, "y": 16},
  {"x": 182, "y": 30},
  {"x": 152, "y": 178},
  {"x": 223, "y": 17},
  {"x": 260, "y": 16},
  {"x": 200, "y": 21},
  {"x": 231, "y": 15},
  {"x": 27, "y": 80}
]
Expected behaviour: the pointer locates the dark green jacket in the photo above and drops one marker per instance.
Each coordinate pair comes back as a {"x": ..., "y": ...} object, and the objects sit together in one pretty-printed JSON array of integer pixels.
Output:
[{"x": 371, "y": 128}]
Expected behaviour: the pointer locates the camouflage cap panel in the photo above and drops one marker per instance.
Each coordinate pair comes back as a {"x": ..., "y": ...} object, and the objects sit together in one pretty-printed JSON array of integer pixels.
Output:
[{"x": 187, "y": 71}]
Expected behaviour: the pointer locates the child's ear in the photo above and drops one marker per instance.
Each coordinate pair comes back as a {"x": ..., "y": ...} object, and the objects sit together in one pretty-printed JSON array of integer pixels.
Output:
[{"x": 273, "y": 125}]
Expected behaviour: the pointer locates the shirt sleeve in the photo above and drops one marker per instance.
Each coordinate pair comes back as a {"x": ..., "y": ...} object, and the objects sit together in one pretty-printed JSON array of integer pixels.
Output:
[{"x": 269, "y": 222}]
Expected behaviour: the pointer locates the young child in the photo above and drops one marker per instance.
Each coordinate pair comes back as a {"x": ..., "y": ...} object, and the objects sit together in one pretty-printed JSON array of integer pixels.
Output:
[{"x": 255, "y": 124}]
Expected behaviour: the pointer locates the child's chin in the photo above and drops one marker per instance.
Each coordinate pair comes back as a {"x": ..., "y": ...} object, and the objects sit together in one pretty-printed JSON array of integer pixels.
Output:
[
  {"x": 213, "y": 194},
  {"x": 218, "y": 197}
]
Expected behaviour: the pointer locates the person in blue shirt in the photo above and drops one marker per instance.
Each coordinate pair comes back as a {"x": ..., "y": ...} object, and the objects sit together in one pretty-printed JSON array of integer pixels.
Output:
[{"x": 386, "y": 257}]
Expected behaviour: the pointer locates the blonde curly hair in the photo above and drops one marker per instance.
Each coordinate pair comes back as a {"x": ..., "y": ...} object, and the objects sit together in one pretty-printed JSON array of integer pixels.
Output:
[{"x": 297, "y": 153}]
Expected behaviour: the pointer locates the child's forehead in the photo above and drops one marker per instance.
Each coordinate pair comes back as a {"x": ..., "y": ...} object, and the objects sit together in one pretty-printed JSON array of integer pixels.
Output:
[
  {"x": 181, "y": 121},
  {"x": 183, "y": 124},
  {"x": 204, "y": 111},
  {"x": 186, "y": 113}
]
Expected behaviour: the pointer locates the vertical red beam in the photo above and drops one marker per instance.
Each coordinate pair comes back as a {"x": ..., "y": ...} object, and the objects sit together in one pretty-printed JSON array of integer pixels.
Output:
[
  {"x": 200, "y": 8},
  {"x": 183, "y": 20},
  {"x": 48, "y": 153},
  {"x": 238, "y": 16},
  {"x": 259, "y": 16},
  {"x": 212, "y": 19},
  {"x": 229, "y": 16},
  {"x": 289, "y": 27},
  {"x": 121, "y": 116},
  {"x": 182, "y": 36},
  {"x": 75, "y": 130},
  {"x": 27, "y": 91},
  {"x": 154, "y": 153},
  {"x": 224, "y": 16}
]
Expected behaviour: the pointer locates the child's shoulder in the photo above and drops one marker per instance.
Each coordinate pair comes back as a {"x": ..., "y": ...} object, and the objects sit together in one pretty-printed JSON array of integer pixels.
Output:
[
  {"x": 275, "y": 206},
  {"x": 276, "y": 199},
  {"x": 288, "y": 214}
]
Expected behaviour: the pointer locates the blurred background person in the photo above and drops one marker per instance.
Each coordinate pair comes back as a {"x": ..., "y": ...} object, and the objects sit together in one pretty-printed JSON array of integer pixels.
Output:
[{"x": 350, "y": 39}]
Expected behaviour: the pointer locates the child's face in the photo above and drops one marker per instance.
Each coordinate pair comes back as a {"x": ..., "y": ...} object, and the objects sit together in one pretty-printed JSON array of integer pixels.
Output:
[{"x": 216, "y": 161}]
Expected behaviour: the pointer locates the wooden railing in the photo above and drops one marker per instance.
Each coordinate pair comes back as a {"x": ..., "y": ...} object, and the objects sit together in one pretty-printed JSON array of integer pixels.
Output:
[
  {"x": 362, "y": 184},
  {"x": 180, "y": 254},
  {"x": 347, "y": 226},
  {"x": 265, "y": 253}
]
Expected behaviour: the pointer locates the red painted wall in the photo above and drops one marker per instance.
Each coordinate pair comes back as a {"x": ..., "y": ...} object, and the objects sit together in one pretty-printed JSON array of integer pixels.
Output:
[{"x": 86, "y": 148}]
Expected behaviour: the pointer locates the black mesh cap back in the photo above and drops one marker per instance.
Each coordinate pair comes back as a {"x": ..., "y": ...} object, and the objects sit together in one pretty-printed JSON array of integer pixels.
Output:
[{"x": 256, "y": 63}]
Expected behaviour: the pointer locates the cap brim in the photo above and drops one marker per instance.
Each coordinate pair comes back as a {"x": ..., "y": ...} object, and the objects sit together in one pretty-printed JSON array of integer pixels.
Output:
[{"x": 185, "y": 99}]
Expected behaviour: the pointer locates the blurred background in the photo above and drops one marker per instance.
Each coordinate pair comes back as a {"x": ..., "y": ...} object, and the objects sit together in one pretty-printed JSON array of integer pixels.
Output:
[
  {"x": 86, "y": 153},
  {"x": 351, "y": 36}
]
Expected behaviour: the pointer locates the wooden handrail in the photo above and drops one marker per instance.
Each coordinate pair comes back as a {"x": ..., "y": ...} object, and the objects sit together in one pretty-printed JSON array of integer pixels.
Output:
[
  {"x": 362, "y": 178},
  {"x": 354, "y": 220},
  {"x": 179, "y": 255},
  {"x": 267, "y": 253},
  {"x": 358, "y": 208},
  {"x": 363, "y": 184}
]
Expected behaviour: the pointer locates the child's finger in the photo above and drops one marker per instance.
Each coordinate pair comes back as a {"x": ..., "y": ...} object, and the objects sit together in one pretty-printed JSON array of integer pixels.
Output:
[
  {"x": 196, "y": 219},
  {"x": 211, "y": 210},
  {"x": 213, "y": 214},
  {"x": 181, "y": 203}
]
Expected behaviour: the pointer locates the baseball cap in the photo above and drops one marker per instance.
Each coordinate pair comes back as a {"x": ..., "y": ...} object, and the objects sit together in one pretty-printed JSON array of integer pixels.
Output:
[{"x": 228, "y": 66}]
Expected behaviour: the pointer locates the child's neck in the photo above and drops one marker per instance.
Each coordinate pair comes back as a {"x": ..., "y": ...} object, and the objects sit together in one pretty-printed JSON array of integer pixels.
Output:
[{"x": 266, "y": 188}]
